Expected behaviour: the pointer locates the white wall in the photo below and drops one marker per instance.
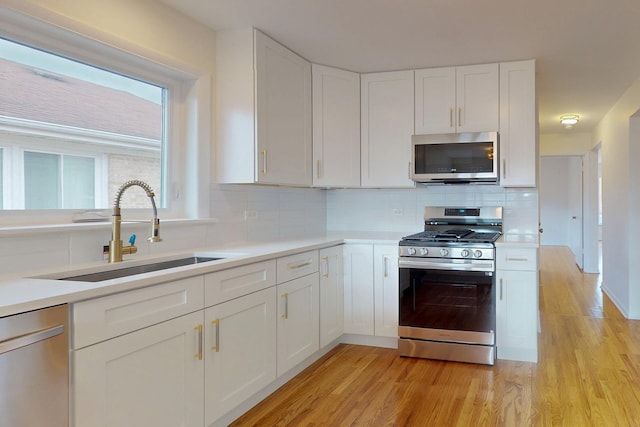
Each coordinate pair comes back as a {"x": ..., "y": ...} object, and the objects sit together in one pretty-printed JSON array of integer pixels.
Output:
[
  {"x": 620, "y": 189},
  {"x": 565, "y": 144},
  {"x": 147, "y": 24}
]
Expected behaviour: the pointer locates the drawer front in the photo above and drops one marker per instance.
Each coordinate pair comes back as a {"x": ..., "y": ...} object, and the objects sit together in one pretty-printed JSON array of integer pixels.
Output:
[
  {"x": 298, "y": 265},
  {"x": 525, "y": 259},
  {"x": 107, "y": 317},
  {"x": 233, "y": 283}
]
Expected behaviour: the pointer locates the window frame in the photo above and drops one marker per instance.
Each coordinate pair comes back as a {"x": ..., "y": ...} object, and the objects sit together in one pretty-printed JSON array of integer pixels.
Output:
[{"x": 188, "y": 98}]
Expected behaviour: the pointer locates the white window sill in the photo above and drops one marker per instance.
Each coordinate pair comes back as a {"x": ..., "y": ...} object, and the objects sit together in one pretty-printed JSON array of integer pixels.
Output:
[{"x": 87, "y": 226}]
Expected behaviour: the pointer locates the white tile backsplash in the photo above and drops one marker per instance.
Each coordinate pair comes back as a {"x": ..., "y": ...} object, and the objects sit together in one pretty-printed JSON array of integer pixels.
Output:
[
  {"x": 34, "y": 252},
  {"x": 255, "y": 213},
  {"x": 373, "y": 210},
  {"x": 252, "y": 213}
]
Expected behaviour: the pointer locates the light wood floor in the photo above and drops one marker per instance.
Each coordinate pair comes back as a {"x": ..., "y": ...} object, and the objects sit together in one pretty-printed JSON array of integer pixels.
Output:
[{"x": 588, "y": 374}]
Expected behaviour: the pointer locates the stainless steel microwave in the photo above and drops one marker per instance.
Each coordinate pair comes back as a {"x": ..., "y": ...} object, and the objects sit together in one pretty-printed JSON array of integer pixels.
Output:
[{"x": 455, "y": 158}]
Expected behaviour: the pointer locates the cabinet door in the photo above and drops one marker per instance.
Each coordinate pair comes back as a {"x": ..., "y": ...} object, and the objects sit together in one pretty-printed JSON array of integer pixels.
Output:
[
  {"x": 240, "y": 351},
  {"x": 107, "y": 317},
  {"x": 435, "y": 92},
  {"x": 510, "y": 258},
  {"x": 387, "y": 126},
  {"x": 228, "y": 284},
  {"x": 518, "y": 129},
  {"x": 297, "y": 265},
  {"x": 358, "y": 290},
  {"x": 477, "y": 98},
  {"x": 283, "y": 114},
  {"x": 151, "y": 377},
  {"x": 331, "y": 295},
  {"x": 336, "y": 127},
  {"x": 298, "y": 321},
  {"x": 386, "y": 290},
  {"x": 517, "y": 315}
]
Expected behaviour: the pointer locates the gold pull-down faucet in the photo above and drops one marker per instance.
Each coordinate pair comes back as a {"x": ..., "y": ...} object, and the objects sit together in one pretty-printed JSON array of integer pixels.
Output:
[{"x": 116, "y": 250}]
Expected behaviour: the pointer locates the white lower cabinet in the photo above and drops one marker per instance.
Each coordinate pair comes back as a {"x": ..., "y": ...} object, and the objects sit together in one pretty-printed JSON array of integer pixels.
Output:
[
  {"x": 371, "y": 290},
  {"x": 150, "y": 377},
  {"x": 358, "y": 289},
  {"x": 386, "y": 298},
  {"x": 298, "y": 321},
  {"x": 517, "y": 304},
  {"x": 158, "y": 356},
  {"x": 240, "y": 351},
  {"x": 331, "y": 294}
]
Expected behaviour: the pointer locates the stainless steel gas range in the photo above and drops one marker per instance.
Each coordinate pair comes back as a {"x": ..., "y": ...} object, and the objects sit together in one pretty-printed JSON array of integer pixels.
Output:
[{"x": 447, "y": 285}]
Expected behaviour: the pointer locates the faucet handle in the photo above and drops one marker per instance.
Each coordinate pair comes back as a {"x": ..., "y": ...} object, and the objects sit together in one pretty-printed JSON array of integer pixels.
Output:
[{"x": 132, "y": 240}]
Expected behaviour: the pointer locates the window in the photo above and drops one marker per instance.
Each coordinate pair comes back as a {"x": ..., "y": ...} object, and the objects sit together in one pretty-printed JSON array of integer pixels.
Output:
[
  {"x": 72, "y": 133},
  {"x": 59, "y": 181}
]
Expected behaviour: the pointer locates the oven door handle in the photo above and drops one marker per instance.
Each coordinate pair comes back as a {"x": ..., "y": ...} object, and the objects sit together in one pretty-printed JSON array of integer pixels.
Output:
[{"x": 446, "y": 264}]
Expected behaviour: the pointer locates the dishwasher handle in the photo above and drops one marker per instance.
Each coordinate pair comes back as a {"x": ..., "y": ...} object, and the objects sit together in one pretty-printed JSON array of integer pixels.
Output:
[{"x": 27, "y": 339}]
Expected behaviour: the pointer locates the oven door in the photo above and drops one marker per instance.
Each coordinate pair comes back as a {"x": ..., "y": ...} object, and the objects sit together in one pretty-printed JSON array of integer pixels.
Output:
[{"x": 450, "y": 301}]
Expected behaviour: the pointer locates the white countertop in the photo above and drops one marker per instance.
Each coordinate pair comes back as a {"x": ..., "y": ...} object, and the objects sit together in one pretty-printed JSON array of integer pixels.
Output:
[
  {"x": 18, "y": 295},
  {"x": 22, "y": 294}
]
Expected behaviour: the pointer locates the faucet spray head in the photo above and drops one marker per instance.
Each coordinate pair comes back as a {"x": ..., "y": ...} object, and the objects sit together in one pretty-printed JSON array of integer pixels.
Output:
[{"x": 155, "y": 231}]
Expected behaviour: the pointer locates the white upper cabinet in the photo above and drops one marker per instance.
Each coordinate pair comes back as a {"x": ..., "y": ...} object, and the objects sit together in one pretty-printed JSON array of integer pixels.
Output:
[
  {"x": 435, "y": 100},
  {"x": 386, "y": 126},
  {"x": 336, "y": 127},
  {"x": 518, "y": 124},
  {"x": 263, "y": 96},
  {"x": 457, "y": 99}
]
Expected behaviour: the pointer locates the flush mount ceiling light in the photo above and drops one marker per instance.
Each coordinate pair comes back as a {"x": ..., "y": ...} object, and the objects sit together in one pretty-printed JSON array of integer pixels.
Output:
[{"x": 568, "y": 120}]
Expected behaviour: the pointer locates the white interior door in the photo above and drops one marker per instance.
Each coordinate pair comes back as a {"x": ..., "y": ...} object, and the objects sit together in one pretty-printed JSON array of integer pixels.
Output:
[
  {"x": 575, "y": 208},
  {"x": 561, "y": 203},
  {"x": 554, "y": 207}
]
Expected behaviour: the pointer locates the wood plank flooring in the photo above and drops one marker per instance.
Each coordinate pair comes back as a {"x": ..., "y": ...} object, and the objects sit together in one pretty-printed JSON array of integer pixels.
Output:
[{"x": 588, "y": 374}]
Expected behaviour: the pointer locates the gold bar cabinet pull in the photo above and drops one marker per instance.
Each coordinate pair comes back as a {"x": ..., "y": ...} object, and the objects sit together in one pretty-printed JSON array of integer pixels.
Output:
[
  {"x": 216, "y": 347},
  {"x": 198, "y": 355},
  {"x": 286, "y": 306}
]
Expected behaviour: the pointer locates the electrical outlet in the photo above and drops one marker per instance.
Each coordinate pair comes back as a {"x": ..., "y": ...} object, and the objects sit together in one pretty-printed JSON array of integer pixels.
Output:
[
  {"x": 397, "y": 212},
  {"x": 250, "y": 215}
]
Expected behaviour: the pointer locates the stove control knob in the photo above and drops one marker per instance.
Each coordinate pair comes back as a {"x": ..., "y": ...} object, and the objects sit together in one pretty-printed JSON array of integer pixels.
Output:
[
  {"x": 477, "y": 253},
  {"x": 424, "y": 251},
  {"x": 411, "y": 251},
  {"x": 444, "y": 252},
  {"x": 464, "y": 253}
]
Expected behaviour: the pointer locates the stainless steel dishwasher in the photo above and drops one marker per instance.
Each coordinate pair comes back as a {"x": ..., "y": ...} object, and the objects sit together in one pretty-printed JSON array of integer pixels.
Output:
[{"x": 34, "y": 368}]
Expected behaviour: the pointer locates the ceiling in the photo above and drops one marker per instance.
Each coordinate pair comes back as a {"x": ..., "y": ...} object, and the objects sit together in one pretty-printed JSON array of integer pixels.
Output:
[{"x": 586, "y": 51}]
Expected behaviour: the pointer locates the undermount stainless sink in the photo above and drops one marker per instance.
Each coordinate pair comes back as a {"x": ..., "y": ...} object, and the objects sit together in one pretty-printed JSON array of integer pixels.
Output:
[{"x": 138, "y": 269}]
